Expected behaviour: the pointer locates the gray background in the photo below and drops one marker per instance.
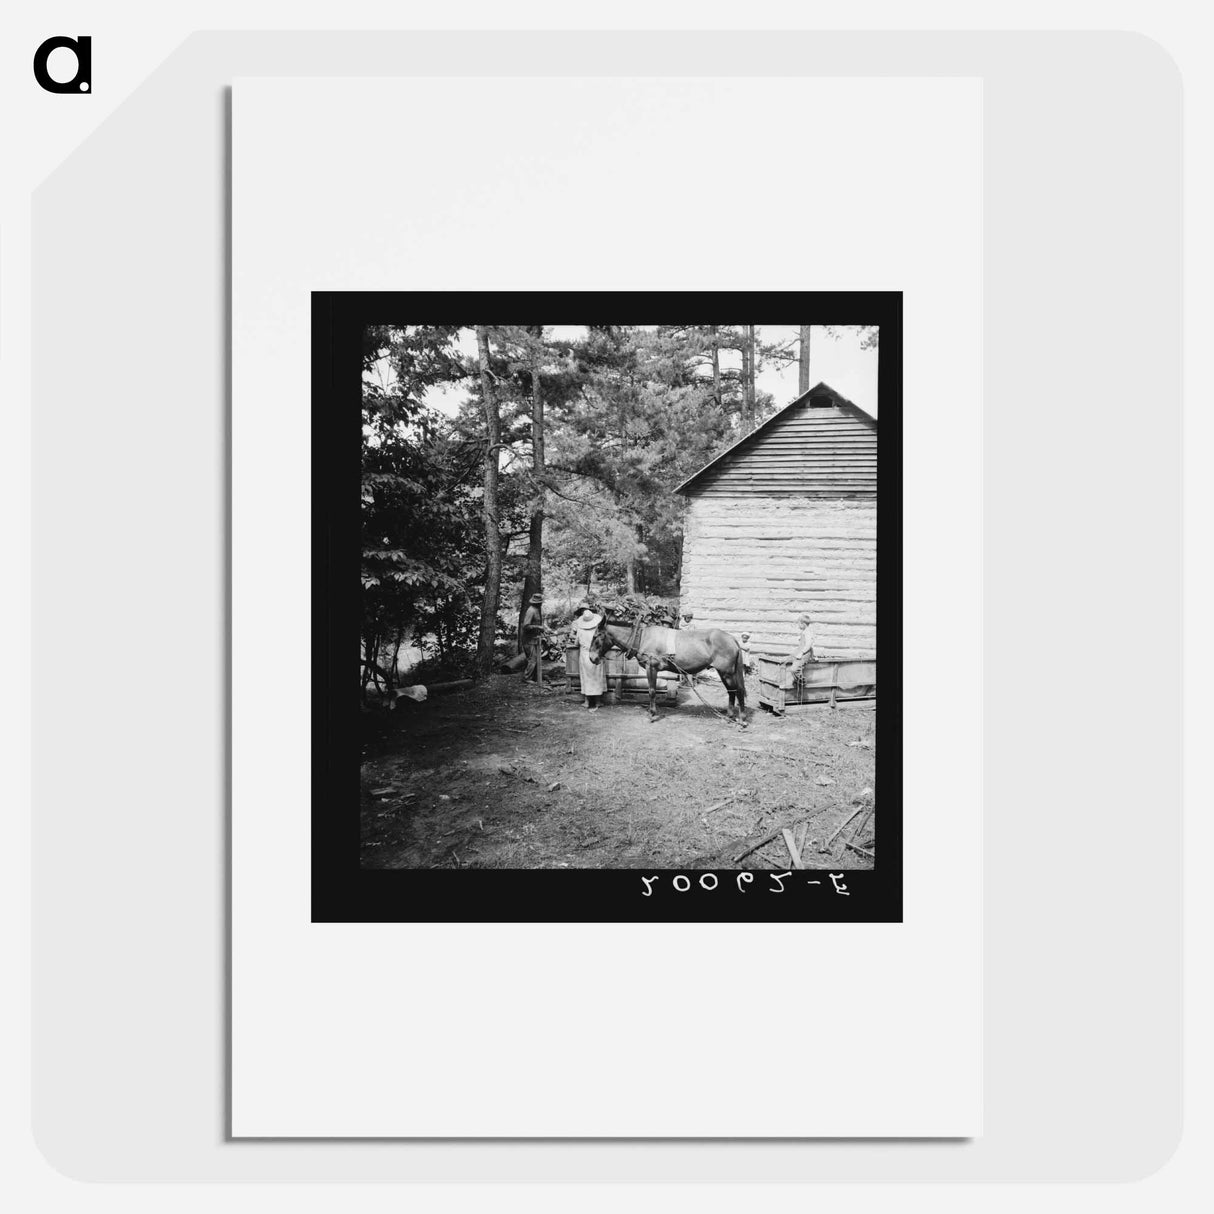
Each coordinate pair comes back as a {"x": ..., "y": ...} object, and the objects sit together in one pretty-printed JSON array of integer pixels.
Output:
[{"x": 1082, "y": 616}]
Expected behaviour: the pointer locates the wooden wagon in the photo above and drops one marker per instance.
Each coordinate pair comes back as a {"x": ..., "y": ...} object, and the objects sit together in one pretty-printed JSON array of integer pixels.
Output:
[
  {"x": 828, "y": 681},
  {"x": 625, "y": 676}
]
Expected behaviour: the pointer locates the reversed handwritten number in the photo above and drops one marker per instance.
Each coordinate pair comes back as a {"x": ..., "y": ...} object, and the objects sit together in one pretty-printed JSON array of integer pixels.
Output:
[{"x": 710, "y": 881}]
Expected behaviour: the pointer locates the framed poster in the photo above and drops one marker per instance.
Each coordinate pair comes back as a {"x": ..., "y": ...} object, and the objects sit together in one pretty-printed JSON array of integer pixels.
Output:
[{"x": 709, "y": 519}]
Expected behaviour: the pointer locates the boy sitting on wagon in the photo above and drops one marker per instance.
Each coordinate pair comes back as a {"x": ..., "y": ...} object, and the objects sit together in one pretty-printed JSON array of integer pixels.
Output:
[{"x": 803, "y": 655}]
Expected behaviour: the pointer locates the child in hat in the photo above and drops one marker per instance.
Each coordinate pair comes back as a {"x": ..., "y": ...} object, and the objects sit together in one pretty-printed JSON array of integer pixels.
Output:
[{"x": 747, "y": 660}]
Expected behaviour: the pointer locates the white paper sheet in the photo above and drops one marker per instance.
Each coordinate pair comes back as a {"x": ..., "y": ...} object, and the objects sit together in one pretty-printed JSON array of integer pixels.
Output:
[{"x": 568, "y": 1030}]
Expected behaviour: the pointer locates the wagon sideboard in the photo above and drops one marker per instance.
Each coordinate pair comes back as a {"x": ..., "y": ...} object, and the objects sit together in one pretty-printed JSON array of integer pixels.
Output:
[
  {"x": 625, "y": 676},
  {"x": 828, "y": 681}
]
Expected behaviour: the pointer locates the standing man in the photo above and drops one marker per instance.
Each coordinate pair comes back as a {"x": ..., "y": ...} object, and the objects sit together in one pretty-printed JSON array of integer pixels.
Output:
[{"x": 533, "y": 633}]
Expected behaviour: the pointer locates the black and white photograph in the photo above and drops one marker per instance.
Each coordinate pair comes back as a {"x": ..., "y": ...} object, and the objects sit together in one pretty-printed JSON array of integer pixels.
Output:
[{"x": 617, "y": 599}]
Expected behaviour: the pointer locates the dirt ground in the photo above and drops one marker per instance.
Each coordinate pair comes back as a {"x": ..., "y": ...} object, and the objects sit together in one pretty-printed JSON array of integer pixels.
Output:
[{"x": 509, "y": 775}]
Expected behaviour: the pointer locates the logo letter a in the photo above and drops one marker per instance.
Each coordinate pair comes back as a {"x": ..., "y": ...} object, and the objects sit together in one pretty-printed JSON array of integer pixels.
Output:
[{"x": 82, "y": 48}]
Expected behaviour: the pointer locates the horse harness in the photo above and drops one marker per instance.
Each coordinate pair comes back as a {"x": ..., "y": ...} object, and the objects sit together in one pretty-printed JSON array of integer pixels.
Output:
[{"x": 631, "y": 650}]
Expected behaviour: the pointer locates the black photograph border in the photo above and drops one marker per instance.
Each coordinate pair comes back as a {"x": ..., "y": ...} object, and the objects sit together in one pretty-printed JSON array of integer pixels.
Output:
[{"x": 342, "y": 891}]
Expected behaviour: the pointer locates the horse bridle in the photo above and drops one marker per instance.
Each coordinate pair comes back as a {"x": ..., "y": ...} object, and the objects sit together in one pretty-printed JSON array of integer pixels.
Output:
[{"x": 630, "y": 649}]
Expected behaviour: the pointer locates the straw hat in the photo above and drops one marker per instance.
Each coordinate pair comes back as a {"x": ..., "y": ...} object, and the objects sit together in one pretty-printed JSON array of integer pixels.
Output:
[{"x": 537, "y": 599}]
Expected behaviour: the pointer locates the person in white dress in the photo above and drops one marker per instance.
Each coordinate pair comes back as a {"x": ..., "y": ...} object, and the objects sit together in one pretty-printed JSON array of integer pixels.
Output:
[{"x": 593, "y": 675}]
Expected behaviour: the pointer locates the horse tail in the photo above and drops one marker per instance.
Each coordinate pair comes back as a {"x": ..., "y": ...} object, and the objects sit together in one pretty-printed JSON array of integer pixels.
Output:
[{"x": 739, "y": 675}]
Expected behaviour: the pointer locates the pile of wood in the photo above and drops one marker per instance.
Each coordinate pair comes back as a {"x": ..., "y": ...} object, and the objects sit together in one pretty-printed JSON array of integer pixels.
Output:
[{"x": 630, "y": 608}]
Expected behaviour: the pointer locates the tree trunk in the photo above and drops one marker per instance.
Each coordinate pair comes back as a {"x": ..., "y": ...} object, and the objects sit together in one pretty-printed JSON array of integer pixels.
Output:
[
  {"x": 368, "y": 662},
  {"x": 394, "y": 669},
  {"x": 750, "y": 375},
  {"x": 493, "y": 535},
  {"x": 716, "y": 369},
  {"x": 803, "y": 376},
  {"x": 748, "y": 379},
  {"x": 532, "y": 574},
  {"x": 742, "y": 381},
  {"x": 533, "y": 579}
]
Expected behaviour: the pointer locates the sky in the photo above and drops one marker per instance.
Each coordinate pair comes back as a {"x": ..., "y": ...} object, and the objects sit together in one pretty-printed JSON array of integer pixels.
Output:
[{"x": 839, "y": 362}]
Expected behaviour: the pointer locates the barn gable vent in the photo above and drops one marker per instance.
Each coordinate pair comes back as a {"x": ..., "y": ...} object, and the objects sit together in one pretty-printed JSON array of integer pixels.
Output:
[{"x": 819, "y": 445}]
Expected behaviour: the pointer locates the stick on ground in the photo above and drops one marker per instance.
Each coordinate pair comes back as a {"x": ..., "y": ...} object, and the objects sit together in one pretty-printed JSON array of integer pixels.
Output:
[
  {"x": 775, "y": 754},
  {"x": 768, "y": 838},
  {"x": 791, "y": 844},
  {"x": 775, "y": 834},
  {"x": 859, "y": 810},
  {"x": 713, "y": 810},
  {"x": 855, "y": 834}
]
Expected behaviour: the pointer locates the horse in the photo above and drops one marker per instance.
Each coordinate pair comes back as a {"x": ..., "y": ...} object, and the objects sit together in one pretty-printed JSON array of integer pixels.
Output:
[{"x": 695, "y": 649}]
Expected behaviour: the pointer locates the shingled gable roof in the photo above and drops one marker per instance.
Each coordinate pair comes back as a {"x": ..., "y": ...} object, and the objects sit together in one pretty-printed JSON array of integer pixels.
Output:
[{"x": 821, "y": 389}]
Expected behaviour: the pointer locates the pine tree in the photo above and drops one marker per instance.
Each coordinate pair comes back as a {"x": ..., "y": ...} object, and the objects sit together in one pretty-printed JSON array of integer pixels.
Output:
[
  {"x": 489, "y": 507},
  {"x": 533, "y": 579}
]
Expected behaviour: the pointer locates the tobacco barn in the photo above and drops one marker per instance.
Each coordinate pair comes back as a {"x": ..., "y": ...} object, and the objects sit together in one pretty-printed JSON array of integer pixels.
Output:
[{"x": 785, "y": 521}]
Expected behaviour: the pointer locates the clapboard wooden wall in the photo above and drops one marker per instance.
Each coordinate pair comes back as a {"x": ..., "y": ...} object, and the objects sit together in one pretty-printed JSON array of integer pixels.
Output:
[{"x": 785, "y": 521}]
